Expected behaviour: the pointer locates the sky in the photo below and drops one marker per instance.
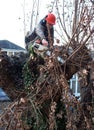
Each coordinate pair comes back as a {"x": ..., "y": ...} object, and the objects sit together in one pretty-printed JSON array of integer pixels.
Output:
[{"x": 11, "y": 20}]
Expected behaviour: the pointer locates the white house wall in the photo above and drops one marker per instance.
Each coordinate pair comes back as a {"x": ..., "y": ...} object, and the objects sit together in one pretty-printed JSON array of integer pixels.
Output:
[{"x": 12, "y": 51}]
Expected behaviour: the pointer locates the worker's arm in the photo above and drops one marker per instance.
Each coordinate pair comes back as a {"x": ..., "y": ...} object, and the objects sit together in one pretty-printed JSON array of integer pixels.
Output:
[{"x": 40, "y": 31}]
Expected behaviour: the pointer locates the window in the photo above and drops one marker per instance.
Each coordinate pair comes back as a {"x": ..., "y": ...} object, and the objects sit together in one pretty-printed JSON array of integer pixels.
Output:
[
  {"x": 16, "y": 53},
  {"x": 10, "y": 53},
  {"x": 78, "y": 88},
  {"x": 74, "y": 85}
]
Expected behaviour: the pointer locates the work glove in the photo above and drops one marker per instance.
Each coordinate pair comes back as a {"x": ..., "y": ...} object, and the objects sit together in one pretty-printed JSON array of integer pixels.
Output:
[{"x": 44, "y": 42}]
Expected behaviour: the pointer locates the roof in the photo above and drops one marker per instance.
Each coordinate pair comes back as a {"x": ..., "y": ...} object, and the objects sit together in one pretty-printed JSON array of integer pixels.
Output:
[
  {"x": 3, "y": 96},
  {"x": 9, "y": 45}
]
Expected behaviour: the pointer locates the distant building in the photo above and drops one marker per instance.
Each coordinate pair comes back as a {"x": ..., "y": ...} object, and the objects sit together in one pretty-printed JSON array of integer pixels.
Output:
[
  {"x": 10, "y": 48},
  {"x": 74, "y": 83}
]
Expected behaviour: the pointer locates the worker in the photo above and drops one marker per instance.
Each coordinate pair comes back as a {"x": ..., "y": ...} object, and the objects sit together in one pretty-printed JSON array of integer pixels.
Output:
[{"x": 43, "y": 33}]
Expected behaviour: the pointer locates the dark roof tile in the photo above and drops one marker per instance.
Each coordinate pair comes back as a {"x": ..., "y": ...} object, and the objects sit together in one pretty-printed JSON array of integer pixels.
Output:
[{"x": 9, "y": 45}]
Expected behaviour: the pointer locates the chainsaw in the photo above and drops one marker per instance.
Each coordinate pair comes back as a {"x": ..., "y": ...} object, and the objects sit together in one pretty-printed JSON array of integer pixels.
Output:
[{"x": 42, "y": 50}]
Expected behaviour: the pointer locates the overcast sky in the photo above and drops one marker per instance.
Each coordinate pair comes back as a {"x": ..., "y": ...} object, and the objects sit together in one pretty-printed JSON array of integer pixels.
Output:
[{"x": 11, "y": 19}]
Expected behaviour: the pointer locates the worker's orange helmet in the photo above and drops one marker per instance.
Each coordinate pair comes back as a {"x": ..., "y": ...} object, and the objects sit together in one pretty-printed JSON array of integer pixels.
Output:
[{"x": 51, "y": 18}]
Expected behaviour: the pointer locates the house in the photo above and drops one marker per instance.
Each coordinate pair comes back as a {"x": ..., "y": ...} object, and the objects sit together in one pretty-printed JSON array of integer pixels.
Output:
[
  {"x": 74, "y": 83},
  {"x": 11, "y": 48}
]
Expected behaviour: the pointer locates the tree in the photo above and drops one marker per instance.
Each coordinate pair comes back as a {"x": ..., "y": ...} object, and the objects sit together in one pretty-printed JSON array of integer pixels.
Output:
[{"x": 46, "y": 101}]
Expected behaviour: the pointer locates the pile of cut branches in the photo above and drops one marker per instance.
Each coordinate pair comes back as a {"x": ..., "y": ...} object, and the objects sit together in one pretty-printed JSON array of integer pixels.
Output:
[
  {"x": 46, "y": 102},
  {"x": 11, "y": 79}
]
